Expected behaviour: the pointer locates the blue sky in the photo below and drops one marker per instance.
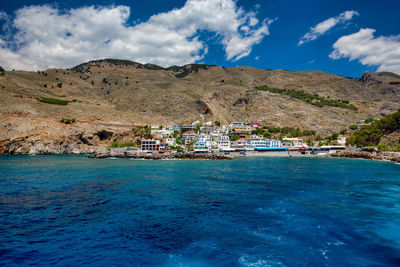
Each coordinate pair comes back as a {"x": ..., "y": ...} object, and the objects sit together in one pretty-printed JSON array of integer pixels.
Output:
[{"x": 346, "y": 38}]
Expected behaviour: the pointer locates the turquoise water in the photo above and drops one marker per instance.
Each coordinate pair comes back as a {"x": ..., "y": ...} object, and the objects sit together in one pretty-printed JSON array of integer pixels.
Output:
[{"x": 73, "y": 211}]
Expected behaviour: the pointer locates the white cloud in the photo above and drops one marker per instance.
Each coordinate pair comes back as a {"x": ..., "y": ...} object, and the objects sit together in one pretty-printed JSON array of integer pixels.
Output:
[
  {"x": 326, "y": 25},
  {"x": 382, "y": 51},
  {"x": 48, "y": 37}
]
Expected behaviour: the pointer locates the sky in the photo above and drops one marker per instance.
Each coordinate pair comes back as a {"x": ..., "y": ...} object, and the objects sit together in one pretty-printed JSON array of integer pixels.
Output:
[{"x": 343, "y": 37}]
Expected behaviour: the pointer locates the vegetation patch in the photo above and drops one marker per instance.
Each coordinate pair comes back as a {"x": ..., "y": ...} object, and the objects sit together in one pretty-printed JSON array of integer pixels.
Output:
[
  {"x": 68, "y": 121},
  {"x": 53, "y": 101},
  {"x": 177, "y": 148},
  {"x": 371, "y": 134},
  {"x": 142, "y": 131},
  {"x": 116, "y": 144},
  {"x": 313, "y": 99},
  {"x": 266, "y": 131}
]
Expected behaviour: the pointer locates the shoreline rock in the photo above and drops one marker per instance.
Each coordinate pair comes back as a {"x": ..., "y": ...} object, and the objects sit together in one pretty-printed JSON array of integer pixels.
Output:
[
  {"x": 159, "y": 156},
  {"x": 384, "y": 156}
]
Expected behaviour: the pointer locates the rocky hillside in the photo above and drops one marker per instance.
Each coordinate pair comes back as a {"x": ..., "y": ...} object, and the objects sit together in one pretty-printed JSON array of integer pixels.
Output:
[{"x": 114, "y": 92}]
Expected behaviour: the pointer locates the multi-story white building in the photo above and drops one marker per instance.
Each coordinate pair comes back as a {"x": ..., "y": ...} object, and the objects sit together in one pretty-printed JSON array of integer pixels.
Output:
[
  {"x": 224, "y": 143},
  {"x": 170, "y": 141},
  {"x": 189, "y": 136},
  {"x": 203, "y": 137},
  {"x": 223, "y": 131},
  {"x": 236, "y": 124},
  {"x": 206, "y": 129},
  {"x": 256, "y": 123},
  {"x": 260, "y": 145},
  {"x": 202, "y": 146},
  {"x": 254, "y": 137},
  {"x": 150, "y": 145},
  {"x": 273, "y": 143},
  {"x": 161, "y": 132},
  {"x": 294, "y": 142},
  {"x": 175, "y": 128},
  {"x": 203, "y": 143},
  {"x": 239, "y": 144}
]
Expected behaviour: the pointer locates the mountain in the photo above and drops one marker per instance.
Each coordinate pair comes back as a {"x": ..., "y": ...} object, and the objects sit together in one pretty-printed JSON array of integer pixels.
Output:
[
  {"x": 1, "y": 69},
  {"x": 179, "y": 71},
  {"x": 113, "y": 95}
]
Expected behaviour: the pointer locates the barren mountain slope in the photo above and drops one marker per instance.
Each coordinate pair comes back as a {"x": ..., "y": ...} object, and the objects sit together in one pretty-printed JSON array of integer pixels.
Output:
[{"x": 132, "y": 93}]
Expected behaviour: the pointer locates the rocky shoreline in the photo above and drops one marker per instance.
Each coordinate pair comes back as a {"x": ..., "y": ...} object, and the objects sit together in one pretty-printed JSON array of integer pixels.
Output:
[
  {"x": 385, "y": 156},
  {"x": 159, "y": 156}
]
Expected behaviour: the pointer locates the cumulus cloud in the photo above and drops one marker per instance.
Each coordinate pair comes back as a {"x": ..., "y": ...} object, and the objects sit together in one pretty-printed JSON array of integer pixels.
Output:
[
  {"x": 382, "y": 51},
  {"x": 45, "y": 37},
  {"x": 326, "y": 25}
]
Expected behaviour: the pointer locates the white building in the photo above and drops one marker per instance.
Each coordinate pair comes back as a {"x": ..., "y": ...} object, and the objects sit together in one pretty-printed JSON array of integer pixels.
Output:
[
  {"x": 270, "y": 144},
  {"x": 206, "y": 129},
  {"x": 273, "y": 143},
  {"x": 239, "y": 144},
  {"x": 150, "y": 145},
  {"x": 341, "y": 140},
  {"x": 170, "y": 141},
  {"x": 294, "y": 142},
  {"x": 203, "y": 143},
  {"x": 236, "y": 124},
  {"x": 223, "y": 131},
  {"x": 161, "y": 132},
  {"x": 203, "y": 137},
  {"x": 189, "y": 136},
  {"x": 175, "y": 128},
  {"x": 254, "y": 138},
  {"x": 224, "y": 143}
]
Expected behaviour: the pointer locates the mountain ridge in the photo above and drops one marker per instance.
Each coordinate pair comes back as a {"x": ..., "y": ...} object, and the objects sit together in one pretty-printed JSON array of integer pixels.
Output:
[
  {"x": 147, "y": 93},
  {"x": 181, "y": 71},
  {"x": 101, "y": 96}
]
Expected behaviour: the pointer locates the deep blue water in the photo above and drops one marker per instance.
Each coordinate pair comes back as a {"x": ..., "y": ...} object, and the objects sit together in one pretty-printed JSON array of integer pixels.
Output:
[{"x": 73, "y": 211}]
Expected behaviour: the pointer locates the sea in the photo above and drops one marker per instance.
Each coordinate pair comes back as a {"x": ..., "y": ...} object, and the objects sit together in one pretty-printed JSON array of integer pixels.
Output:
[{"x": 261, "y": 211}]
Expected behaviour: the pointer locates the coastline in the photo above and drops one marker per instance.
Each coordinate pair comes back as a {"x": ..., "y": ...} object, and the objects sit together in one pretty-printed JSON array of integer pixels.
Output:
[
  {"x": 381, "y": 156},
  {"x": 160, "y": 156}
]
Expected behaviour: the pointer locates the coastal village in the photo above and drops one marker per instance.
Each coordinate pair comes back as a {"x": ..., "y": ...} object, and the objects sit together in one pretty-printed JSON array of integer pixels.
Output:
[{"x": 236, "y": 138}]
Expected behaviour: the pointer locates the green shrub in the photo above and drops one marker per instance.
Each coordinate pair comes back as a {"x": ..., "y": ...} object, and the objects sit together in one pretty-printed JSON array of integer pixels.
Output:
[
  {"x": 68, "y": 121},
  {"x": 234, "y": 137},
  {"x": 371, "y": 134},
  {"x": 116, "y": 144},
  {"x": 176, "y": 148},
  {"x": 313, "y": 99},
  {"x": 53, "y": 101}
]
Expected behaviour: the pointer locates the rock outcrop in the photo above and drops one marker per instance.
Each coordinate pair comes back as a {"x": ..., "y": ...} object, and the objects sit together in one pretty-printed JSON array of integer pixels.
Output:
[
  {"x": 136, "y": 154},
  {"x": 388, "y": 156},
  {"x": 23, "y": 134}
]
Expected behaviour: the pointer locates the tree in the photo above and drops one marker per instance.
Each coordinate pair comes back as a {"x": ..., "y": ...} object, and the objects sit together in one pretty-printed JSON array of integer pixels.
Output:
[
  {"x": 353, "y": 127},
  {"x": 234, "y": 137}
]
